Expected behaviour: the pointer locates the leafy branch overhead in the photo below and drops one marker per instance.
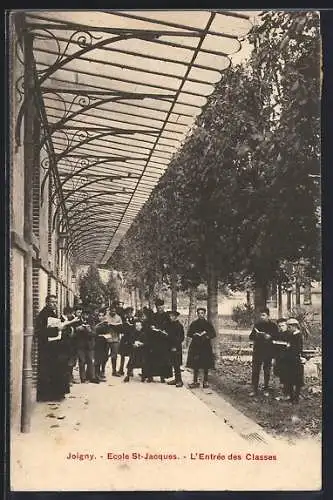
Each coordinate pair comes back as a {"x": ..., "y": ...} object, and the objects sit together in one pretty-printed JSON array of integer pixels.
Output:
[{"x": 241, "y": 192}]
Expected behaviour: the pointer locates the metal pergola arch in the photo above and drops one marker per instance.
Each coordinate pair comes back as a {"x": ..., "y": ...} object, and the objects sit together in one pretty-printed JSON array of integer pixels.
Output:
[{"x": 117, "y": 93}]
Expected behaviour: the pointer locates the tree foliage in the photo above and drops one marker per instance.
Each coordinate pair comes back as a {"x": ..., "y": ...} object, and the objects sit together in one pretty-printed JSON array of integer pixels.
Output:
[
  {"x": 239, "y": 194},
  {"x": 92, "y": 289}
]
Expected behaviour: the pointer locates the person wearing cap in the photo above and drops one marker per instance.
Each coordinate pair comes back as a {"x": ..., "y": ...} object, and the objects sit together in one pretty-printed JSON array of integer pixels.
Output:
[
  {"x": 200, "y": 352},
  {"x": 176, "y": 338},
  {"x": 158, "y": 349},
  {"x": 279, "y": 349},
  {"x": 263, "y": 333},
  {"x": 293, "y": 363}
]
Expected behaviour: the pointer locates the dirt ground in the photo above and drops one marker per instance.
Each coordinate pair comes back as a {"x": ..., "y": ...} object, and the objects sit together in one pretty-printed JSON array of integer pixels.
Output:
[{"x": 232, "y": 379}]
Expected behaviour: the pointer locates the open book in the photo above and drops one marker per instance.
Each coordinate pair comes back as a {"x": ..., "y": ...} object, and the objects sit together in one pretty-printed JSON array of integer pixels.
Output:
[
  {"x": 281, "y": 342},
  {"x": 106, "y": 335},
  {"x": 200, "y": 334},
  {"x": 158, "y": 330},
  {"x": 54, "y": 322}
]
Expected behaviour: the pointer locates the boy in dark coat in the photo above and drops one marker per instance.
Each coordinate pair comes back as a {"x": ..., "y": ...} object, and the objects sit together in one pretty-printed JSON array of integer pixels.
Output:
[
  {"x": 279, "y": 352},
  {"x": 101, "y": 346},
  {"x": 200, "y": 352},
  {"x": 262, "y": 335},
  {"x": 159, "y": 363},
  {"x": 138, "y": 350},
  {"x": 85, "y": 337},
  {"x": 176, "y": 338},
  {"x": 293, "y": 362},
  {"x": 115, "y": 325},
  {"x": 68, "y": 338},
  {"x": 125, "y": 345}
]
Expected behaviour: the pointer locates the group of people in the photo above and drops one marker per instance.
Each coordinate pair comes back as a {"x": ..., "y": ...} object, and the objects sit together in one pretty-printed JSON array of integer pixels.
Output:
[
  {"x": 152, "y": 342},
  {"x": 148, "y": 340},
  {"x": 279, "y": 345}
]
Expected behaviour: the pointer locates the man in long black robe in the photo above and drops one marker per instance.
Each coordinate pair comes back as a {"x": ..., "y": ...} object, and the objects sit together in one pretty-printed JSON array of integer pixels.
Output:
[
  {"x": 200, "y": 352},
  {"x": 52, "y": 375},
  {"x": 159, "y": 362}
]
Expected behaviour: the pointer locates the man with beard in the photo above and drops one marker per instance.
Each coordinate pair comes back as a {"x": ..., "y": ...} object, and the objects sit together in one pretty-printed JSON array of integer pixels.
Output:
[
  {"x": 52, "y": 376},
  {"x": 200, "y": 352},
  {"x": 158, "y": 360},
  {"x": 120, "y": 309}
]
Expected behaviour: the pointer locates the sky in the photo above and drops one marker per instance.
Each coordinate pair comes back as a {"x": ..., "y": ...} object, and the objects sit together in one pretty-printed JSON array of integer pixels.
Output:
[{"x": 245, "y": 51}]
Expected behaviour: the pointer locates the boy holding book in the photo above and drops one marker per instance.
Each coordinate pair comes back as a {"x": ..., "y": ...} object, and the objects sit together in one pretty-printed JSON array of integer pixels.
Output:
[{"x": 262, "y": 335}]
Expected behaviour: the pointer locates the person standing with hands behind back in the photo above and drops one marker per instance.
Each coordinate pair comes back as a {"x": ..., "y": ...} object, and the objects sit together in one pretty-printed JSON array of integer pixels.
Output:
[
  {"x": 200, "y": 353},
  {"x": 262, "y": 335}
]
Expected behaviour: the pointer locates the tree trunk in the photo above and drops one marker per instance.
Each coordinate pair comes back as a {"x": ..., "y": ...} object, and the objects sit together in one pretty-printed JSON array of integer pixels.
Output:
[
  {"x": 173, "y": 291},
  {"x": 130, "y": 296},
  {"x": 151, "y": 288},
  {"x": 298, "y": 292},
  {"x": 141, "y": 296},
  {"x": 212, "y": 303},
  {"x": 248, "y": 297},
  {"x": 193, "y": 304},
  {"x": 289, "y": 292},
  {"x": 279, "y": 299},
  {"x": 133, "y": 299},
  {"x": 307, "y": 292},
  {"x": 260, "y": 294},
  {"x": 274, "y": 297}
]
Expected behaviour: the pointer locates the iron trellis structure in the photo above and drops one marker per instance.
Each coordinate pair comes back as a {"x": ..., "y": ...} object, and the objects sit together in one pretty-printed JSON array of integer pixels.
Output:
[{"x": 117, "y": 93}]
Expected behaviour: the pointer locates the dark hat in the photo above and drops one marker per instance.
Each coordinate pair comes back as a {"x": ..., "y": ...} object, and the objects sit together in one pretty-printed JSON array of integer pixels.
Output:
[
  {"x": 201, "y": 309},
  {"x": 282, "y": 320},
  {"x": 159, "y": 302},
  {"x": 173, "y": 313}
]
